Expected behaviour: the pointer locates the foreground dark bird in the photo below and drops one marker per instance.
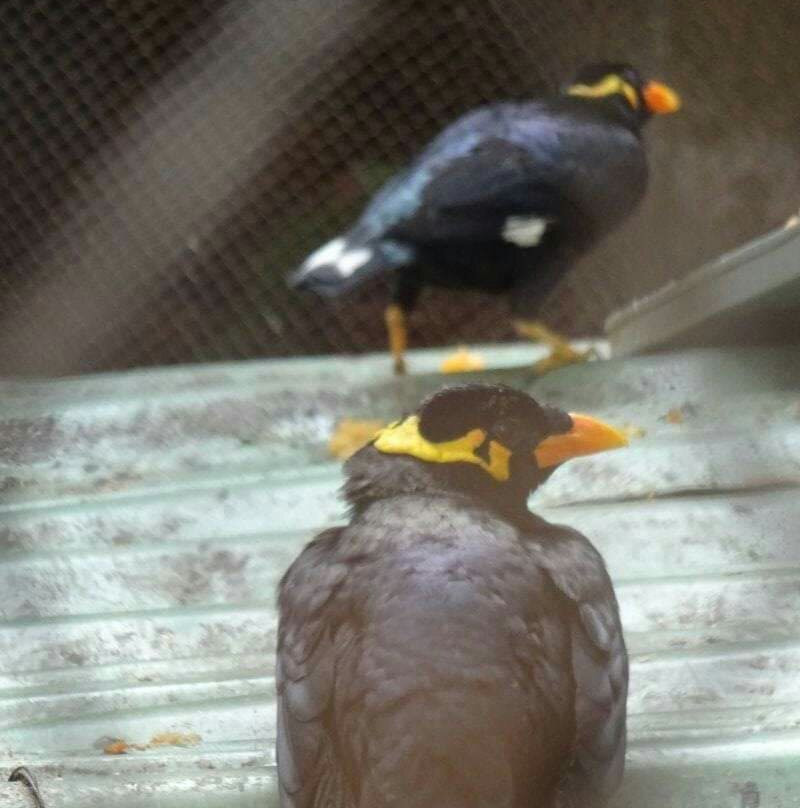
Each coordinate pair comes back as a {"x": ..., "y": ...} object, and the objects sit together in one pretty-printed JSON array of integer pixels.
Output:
[
  {"x": 503, "y": 200},
  {"x": 448, "y": 648}
]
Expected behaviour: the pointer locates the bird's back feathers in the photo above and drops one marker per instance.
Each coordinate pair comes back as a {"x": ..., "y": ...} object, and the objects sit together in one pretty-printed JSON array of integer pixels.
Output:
[
  {"x": 433, "y": 655},
  {"x": 503, "y": 186}
]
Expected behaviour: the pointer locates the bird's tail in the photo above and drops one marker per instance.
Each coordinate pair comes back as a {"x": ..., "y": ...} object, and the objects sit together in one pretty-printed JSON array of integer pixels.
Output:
[{"x": 348, "y": 260}]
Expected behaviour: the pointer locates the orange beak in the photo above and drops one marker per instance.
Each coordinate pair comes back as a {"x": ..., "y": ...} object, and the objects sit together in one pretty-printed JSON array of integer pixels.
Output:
[
  {"x": 587, "y": 436},
  {"x": 660, "y": 99}
]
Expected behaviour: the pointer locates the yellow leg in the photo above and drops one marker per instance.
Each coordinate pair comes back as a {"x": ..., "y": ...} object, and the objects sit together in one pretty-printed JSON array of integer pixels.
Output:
[
  {"x": 561, "y": 352},
  {"x": 395, "y": 319}
]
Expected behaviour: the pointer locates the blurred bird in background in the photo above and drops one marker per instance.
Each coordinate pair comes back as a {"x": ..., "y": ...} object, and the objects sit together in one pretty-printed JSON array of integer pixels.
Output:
[
  {"x": 448, "y": 648},
  {"x": 505, "y": 199}
]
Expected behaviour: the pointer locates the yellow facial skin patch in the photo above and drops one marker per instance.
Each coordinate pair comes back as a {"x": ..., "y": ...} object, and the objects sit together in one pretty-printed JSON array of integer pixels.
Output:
[
  {"x": 403, "y": 437},
  {"x": 609, "y": 85}
]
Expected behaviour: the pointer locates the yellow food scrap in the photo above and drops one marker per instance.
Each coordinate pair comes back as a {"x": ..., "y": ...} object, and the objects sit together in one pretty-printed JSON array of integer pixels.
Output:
[
  {"x": 175, "y": 739},
  {"x": 117, "y": 747},
  {"x": 632, "y": 432},
  {"x": 350, "y": 435},
  {"x": 674, "y": 416},
  {"x": 462, "y": 361}
]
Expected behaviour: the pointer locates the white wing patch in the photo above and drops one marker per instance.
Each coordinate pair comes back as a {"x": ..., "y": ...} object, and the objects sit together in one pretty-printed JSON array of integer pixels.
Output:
[
  {"x": 352, "y": 260},
  {"x": 326, "y": 254},
  {"x": 335, "y": 253},
  {"x": 524, "y": 231}
]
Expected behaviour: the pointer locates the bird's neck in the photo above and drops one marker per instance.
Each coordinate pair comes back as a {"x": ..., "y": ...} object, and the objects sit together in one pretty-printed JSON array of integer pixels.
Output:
[
  {"x": 614, "y": 109},
  {"x": 372, "y": 476}
]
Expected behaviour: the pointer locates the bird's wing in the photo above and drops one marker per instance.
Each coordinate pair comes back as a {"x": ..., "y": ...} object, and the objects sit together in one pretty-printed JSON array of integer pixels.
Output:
[
  {"x": 474, "y": 195},
  {"x": 599, "y": 662},
  {"x": 307, "y": 775}
]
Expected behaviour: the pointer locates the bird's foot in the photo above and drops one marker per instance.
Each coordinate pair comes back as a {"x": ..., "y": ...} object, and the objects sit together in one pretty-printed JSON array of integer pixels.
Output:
[
  {"x": 555, "y": 361},
  {"x": 561, "y": 352},
  {"x": 350, "y": 434},
  {"x": 462, "y": 361}
]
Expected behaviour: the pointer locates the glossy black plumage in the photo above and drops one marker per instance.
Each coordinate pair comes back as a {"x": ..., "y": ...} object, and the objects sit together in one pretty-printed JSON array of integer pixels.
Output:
[
  {"x": 447, "y": 648},
  {"x": 504, "y": 199}
]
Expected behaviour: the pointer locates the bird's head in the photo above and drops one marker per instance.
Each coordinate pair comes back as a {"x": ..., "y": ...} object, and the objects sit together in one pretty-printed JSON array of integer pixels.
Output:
[
  {"x": 489, "y": 441},
  {"x": 621, "y": 85}
]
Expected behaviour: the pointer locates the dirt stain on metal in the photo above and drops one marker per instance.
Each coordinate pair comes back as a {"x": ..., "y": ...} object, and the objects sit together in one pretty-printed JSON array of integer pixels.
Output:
[{"x": 751, "y": 797}]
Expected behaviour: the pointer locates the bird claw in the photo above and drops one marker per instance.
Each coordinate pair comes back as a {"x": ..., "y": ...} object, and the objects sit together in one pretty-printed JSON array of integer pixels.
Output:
[
  {"x": 560, "y": 359},
  {"x": 561, "y": 352},
  {"x": 24, "y": 775}
]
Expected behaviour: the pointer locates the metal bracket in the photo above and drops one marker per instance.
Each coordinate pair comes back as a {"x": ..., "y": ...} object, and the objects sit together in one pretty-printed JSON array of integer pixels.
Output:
[{"x": 23, "y": 775}]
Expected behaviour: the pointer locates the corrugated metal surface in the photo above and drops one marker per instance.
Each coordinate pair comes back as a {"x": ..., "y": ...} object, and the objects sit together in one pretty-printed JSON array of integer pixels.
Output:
[{"x": 146, "y": 518}]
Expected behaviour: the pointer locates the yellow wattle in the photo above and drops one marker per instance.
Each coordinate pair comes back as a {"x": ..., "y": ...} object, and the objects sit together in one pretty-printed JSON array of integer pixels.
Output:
[
  {"x": 609, "y": 85},
  {"x": 404, "y": 437}
]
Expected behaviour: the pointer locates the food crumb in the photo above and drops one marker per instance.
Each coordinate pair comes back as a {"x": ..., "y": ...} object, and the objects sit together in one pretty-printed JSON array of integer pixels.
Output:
[
  {"x": 175, "y": 739},
  {"x": 631, "y": 431},
  {"x": 116, "y": 747},
  {"x": 350, "y": 435},
  {"x": 462, "y": 361},
  {"x": 674, "y": 416}
]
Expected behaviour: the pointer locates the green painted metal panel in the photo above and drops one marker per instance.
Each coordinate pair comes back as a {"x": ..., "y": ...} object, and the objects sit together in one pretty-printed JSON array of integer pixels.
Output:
[{"x": 146, "y": 518}]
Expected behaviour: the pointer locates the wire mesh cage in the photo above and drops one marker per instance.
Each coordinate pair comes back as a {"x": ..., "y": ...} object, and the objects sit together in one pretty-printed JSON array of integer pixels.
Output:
[{"x": 167, "y": 164}]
